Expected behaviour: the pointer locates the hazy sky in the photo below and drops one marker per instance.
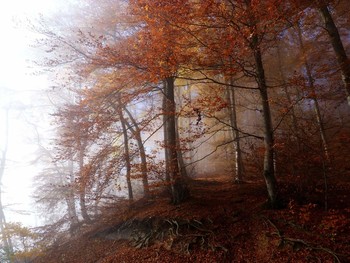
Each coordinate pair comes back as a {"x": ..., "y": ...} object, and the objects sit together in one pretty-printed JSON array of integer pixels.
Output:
[{"x": 20, "y": 89}]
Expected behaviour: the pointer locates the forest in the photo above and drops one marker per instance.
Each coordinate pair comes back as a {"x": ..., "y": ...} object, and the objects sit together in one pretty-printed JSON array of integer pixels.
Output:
[{"x": 193, "y": 131}]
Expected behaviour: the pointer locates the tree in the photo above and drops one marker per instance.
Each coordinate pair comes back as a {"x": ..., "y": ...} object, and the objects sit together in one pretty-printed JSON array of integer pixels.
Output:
[
  {"x": 178, "y": 188},
  {"x": 136, "y": 131},
  {"x": 126, "y": 149},
  {"x": 24, "y": 240},
  {"x": 156, "y": 44},
  {"x": 6, "y": 239},
  {"x": 235, "y": 133},
  {"x": 337, "y": 44},
  {"x": 323, "y": 7},
  {"x": 252, "y": 23}
]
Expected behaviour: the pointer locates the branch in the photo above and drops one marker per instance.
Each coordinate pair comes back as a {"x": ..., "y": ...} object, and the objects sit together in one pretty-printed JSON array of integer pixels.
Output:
[
  {"x": 234, "y": 128},
  {"x": 212, "y": 152}
]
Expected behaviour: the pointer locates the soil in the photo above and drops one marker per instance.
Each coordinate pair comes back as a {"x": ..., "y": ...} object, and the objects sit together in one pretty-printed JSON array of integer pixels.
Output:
[{"x": 220, "y": 222}]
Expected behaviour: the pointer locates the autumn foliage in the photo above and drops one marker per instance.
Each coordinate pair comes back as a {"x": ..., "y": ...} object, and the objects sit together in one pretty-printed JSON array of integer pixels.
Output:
[{"x": 163, "y": 92}]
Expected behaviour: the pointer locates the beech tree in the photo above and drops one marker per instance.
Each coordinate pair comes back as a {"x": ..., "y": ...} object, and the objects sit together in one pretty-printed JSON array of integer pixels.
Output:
[
  {"x": 330, "y": 27},
  {"x": 337, "y": 44},
  {"x": 235, "y": 133},
  {"x": 252, "y": 23},
  {"x": 147, "y": 50}
]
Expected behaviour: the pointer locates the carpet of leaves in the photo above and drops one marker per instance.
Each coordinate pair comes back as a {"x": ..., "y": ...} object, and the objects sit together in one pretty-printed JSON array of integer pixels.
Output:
[{"x": 241, "y": 227}]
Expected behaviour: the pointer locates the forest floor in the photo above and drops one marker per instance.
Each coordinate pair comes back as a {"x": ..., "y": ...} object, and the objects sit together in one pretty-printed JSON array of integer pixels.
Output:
[{"x": 220, "y": 222}]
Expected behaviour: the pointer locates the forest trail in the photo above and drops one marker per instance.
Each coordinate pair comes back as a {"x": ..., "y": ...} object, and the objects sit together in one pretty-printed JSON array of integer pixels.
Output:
[{"x": 220, "y": 222}]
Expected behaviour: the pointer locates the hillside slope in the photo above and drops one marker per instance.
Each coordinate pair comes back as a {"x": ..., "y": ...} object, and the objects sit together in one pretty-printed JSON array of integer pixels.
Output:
[{"x": 221, "y": 222}]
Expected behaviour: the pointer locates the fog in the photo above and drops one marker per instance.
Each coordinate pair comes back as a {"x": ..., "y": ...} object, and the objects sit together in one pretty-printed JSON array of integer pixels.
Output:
[
  {"x": 113, "y": 108},
  {"x": 23, "y": 95}
]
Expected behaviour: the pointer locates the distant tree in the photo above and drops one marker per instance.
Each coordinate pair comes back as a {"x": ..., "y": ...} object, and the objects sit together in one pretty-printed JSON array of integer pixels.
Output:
[
  {"x": 337, "y": 44},
  {"x": 5, "y": 238},
  {"x": 24, "y": 240}
]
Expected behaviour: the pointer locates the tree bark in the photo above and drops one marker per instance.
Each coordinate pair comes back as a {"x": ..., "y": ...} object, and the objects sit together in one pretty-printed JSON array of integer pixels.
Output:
[
  {"x": 177, "y": 184},
  {"x": 289, "y": 99},
  {"x": 338, "y": 47},
  {"x": 166, "y": 149},
  {"x": 235, "y": 134},
  {"x": 137, "y": 132},
  {"x": 82, "y": 186},
  {"x": 269, "y": 171},
  {"x": 70, "y": 201},
  {"x": 314, "y": 98},
  {"x": 294, "y": 121},
  {"x": 182, "y": 165},
  {"x": 126, "y": 151}
]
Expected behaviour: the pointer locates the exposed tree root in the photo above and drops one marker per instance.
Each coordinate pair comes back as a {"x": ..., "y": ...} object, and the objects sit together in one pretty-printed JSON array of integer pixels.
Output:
[
  {"x": 295, "y": 242},
  {"x": 179, "y": 235}
]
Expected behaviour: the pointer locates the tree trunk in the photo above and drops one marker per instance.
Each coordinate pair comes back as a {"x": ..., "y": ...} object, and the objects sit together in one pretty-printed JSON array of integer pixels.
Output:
[
  {"x": 269, "y": 171},
  {"x": 314, "y": 98},
  {"x": 126, "y": 151},
  {"x": 191, "y": 154},
  {"x": 294, "y": 120},
  {"x": 182, "y": 165},
  {"x": 142, "y": 151},
  {"x": 166, "y": 149},
  {"x": 235, "y": 134},
  {"x": 82, "y": 186},
  {"x": 178, "y": 187},
  {"x": 7, "y": 242},
  {"x": 338, "y": 47},
  {"x": 6, "y": 239},
  {"x": 71, "y": 208}
]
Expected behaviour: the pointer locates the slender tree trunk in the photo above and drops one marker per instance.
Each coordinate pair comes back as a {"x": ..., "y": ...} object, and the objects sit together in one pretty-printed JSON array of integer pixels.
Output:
[
  {"x": 82, "y": 186},
  {"x": 338, "y": 47},
  {"x": 269, "y": 155},
  {"x": 294, "y": 120},
  {"x": 235, "y": 134},
  {"x": 178, "y": 187},
  {"x": 166, "y": 139},
  {"x": 69, "y": 194},
  {"x": 71, "y": 208},
  {"x": 72, "y": 214},
  {"x": 314, "y": 95},
  {"x": 126, "y": 151},
  {"x": 182, "y": 165},
  {"x": 99, "y": 188},
  {"x": 269, "y": 171},
  {"x": 6, "y": 239},
  {"x": 82, "y": 202},
  {"x": 137, "y": 133},
  {"x": 191, "y": 153},
  {"x": 8, "y": 247}
]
